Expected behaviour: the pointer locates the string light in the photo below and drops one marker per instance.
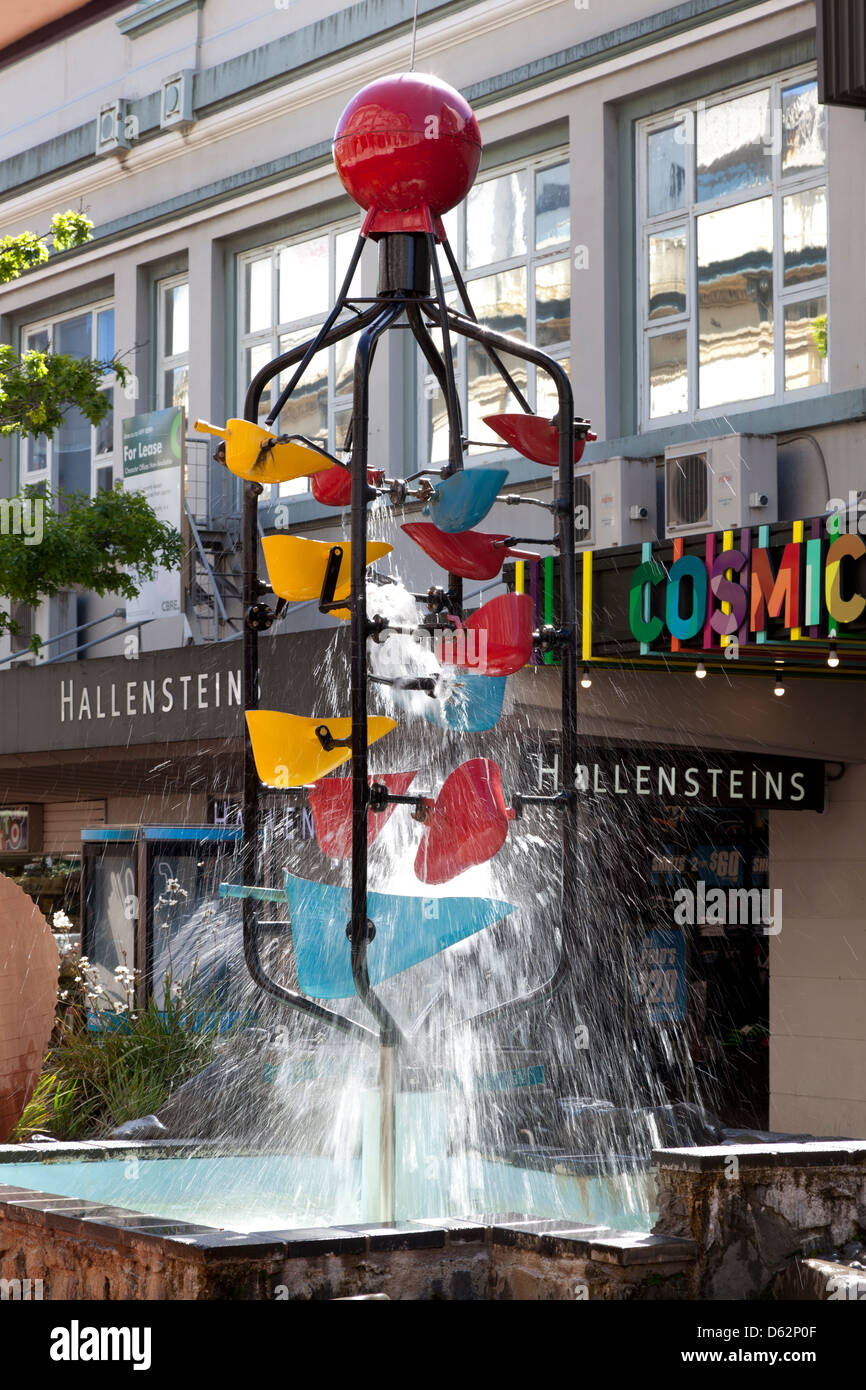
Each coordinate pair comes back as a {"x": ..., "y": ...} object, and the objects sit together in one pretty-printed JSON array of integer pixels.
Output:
[
  {"x": 700, "y": 671},
  {"x": 779, "y": 684},
  {"x": 586, "y": 679},
  {"x": 833, "y": 656}
]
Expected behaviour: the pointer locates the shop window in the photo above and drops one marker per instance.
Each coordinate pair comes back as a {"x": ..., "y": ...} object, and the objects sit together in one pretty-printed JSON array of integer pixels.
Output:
[
  {"x": 511, "y": 238},
  {"x": 284, "y": 293},
  {"x": 80, "y": 456},
  {"x": 732, "y": 251}
]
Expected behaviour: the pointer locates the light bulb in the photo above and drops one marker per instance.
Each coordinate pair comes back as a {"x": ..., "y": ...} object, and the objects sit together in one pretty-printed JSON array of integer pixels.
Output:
[
  {"x": 779, "y": 687},
  {"x": 700, "y": 671},
  {"x": 833, "y": 656},
  {"x": 586, "y": 679}
]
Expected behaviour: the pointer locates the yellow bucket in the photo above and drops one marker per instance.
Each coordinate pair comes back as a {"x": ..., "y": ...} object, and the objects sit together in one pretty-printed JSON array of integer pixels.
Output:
[
  {"x": 277, "y": 464},
  {"x": 288, "y": 752},
  {"x": 296, "y": 567}
]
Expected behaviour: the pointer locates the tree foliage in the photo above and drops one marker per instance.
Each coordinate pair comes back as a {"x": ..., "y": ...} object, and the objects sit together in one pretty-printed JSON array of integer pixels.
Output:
[
  {"x": 37, "y": 388},
  {"x": 28, "y": 249},
  {"x": 50, "y": 542},
  {"x": 108, "y": 544}
]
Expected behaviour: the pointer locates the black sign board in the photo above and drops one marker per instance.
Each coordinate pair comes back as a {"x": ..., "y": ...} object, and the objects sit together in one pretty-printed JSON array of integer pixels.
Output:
[{"x": 688, "y": 777}]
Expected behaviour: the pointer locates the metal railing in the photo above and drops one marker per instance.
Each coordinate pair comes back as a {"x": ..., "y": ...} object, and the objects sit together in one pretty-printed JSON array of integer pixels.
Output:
[{"x": 74, "y": 632}]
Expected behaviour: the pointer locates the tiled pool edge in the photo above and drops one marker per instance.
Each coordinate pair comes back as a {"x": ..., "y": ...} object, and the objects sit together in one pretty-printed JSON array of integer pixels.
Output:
[
  {"x": 733, "y": 1220},
  {"x": 88, "y": 1250}
]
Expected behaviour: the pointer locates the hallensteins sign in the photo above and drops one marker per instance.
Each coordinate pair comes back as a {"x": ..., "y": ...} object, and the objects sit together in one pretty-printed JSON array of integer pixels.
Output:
[{"x": 689, "y": 777}]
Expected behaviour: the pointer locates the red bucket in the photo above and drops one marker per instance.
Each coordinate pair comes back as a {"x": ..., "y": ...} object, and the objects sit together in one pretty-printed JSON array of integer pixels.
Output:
[
  {"x": 495, "y": 641},
  {"x": 333, "y": 487},
  {"x": 331, "y": 803},
  {"x": 467, "y": 824},
  {"x": 469, "y": 554},
  {"x": 532, "y": 437}
]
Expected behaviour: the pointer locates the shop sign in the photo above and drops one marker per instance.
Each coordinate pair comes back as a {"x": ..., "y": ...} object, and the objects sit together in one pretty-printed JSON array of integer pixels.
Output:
[
  {"x": 660, "y": 976},
  {"x": 14, "y": 826},
  {"x": 153, "y": 466},
  {"x": 805, "y": 587},
  {"x": 689, "y": 777}
]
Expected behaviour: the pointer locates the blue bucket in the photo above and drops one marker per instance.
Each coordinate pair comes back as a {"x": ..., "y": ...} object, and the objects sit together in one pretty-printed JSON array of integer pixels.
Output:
[
  {"x": 464, "y": 499},
  {"x": 473, "y": 703},
  {"x": 408, "y": 930}
]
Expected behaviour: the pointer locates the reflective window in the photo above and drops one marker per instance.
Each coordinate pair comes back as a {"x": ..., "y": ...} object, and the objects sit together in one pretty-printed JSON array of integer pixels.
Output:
[
  {"x": 735, "y": 299},
  {"x": 734, "y": 146},
  {"x": 806, "y": 344},
  {"x": 805, "y": 228},
  {"x": 667, "y": 273},
  {"x": 304, "y": 280},
  {"x": 669, "y": 382},
  {"x": 804, "y": 128},
  {"x": 173, "y": 343},
  {"x": 733, "y": 250},
  {"x": 511, "y": 240},
  {"x": 666, "y": 169},
  {"x": 552, "y": 304},
  {"x": 496, "y": 220},
  {"x": 78, "y": 458},
  {"x": 285, "y": 293},
  {"x": 552, "y": 207}
]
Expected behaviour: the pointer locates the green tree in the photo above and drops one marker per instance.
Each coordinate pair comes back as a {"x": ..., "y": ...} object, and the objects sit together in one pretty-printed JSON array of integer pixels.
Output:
[
  {"x": 53, "y": 541},
  {"x": 37, "y": 388},
  {"x": 108, "y": 544}
]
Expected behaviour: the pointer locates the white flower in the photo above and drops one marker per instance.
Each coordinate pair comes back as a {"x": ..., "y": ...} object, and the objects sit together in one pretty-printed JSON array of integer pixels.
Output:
[{"x": 61, "y": 921}]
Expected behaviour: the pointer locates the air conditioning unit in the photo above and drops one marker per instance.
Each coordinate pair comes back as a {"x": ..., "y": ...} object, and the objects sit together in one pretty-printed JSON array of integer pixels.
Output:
[
  {"x": 113, "y": 127},
  {"x": 615, "y": 503},
  {"x": 175, "y": 102},
  {"x": 720, "y": 484}
]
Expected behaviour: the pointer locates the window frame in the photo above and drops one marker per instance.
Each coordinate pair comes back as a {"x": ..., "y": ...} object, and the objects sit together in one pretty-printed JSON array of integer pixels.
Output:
[
  {"x": 530, "y": 260},
  {"x": 166, "y": 362},
  {"x": 778, "y": 188},
  {"x": 98, "y": 461},
  {"x": 337, "y": 402}
]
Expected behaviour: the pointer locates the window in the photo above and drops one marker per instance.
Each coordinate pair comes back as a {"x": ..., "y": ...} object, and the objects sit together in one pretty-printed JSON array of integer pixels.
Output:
[
  {"x": 284, "y": 294},
  {"x": 512, "y": 241},
  {"x": 732, "y": 228},
  {"x": 172, "y": 377},
  {"x": 80, "y": 456}
]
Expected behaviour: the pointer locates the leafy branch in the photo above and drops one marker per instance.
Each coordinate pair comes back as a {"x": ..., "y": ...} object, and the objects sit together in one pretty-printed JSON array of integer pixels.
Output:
[
  {"x": 28, "y": 249},
  {"x": 38, "y": 387},
  {"x": 110, "y": 544}
]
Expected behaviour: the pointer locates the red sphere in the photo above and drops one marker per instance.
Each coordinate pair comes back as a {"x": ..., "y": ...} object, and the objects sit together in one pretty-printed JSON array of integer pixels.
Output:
[{"x": 407, "y": 143}]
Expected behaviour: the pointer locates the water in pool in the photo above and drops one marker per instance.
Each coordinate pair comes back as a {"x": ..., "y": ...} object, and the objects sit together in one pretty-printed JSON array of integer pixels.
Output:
[{"x": 259, "y": 1193}]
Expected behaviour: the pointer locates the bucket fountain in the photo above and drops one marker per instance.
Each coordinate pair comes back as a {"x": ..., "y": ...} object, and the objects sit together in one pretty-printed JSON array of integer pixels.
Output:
[{"x": 407, "y": 150}]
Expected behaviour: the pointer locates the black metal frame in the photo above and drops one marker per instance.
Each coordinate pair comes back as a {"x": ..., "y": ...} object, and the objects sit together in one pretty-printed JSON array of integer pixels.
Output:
[{"x": 405, "y": 263}]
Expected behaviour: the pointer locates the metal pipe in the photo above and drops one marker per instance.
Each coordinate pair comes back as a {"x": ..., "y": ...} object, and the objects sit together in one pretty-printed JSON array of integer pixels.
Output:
[
  {"x": 359, "y": 926},
  {"x": 387, "y": 1131},
  {"x": 564, "y": 511},
  {"x": 455, "y": 441},
  {"x": 250, "y": 532},
  {"x": 313, "y": 346},
  {"x": 97, "y": 641},
  {"x": 72, "y": 632},
  {"x": 494, "y": 356}
]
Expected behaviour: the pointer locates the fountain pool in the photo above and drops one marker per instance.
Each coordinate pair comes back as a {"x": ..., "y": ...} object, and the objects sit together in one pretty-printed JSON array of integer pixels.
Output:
[{"x": 245, "y": 1193}]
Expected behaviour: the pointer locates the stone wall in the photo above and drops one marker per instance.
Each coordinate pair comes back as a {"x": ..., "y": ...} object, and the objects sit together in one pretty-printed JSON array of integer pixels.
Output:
[
  {"x": 754, "y": 1210},
  {"x": 73, "y": 1249}
]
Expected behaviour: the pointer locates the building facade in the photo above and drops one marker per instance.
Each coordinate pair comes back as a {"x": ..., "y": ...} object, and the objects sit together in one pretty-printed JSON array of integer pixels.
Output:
[{"x": 664, "y": 205}]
